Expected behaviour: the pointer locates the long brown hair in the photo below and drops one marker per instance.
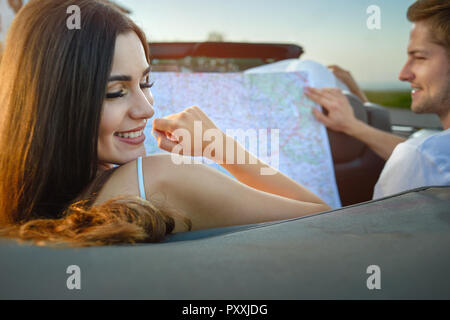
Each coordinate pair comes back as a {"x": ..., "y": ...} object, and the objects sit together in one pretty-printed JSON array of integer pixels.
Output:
[{"x": 53, "y": 83}]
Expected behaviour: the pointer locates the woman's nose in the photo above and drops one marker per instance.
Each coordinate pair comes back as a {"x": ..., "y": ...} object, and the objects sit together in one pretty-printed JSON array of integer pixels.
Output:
[{"x": 143, "y": 106}]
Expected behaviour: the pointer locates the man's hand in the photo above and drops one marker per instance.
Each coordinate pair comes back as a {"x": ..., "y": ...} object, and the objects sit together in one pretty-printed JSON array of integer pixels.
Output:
[
  {"x": 346, "y": 77},
  {"x": 340, "y": 115}
]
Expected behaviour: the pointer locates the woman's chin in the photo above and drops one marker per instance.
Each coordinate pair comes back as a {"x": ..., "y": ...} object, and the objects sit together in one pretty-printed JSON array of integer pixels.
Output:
[
  {"x": 132, "y": 158},
  {"x": 112, "y": 162},
  {"x": 130, "y": 155}
]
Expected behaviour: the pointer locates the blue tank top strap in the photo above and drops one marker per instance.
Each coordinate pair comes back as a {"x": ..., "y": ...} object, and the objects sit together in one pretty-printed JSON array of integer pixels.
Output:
[{"x": 141, "y": 178}]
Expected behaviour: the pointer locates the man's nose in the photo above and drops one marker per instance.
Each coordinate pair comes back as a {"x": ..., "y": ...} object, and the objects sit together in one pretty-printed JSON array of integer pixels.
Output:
[{"x": 406, "y": 74}]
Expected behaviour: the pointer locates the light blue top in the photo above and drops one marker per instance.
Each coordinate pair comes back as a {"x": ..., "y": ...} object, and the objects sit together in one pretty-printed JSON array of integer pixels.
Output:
[
  {"x": 141, "y": 178},
  {"x": 416, "y": 163}
]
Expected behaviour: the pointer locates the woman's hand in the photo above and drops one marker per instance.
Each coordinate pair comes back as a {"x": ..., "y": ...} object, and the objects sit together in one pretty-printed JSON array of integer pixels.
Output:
[{"x": 186, "y": 130}]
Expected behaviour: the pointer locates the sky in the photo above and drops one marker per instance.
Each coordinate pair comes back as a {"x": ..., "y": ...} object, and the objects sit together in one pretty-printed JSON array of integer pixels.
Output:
[{"x": 330, "y": 31}]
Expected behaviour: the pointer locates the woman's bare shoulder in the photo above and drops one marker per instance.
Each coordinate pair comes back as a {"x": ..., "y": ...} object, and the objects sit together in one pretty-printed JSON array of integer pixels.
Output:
[{"x": 124, "y": 180}]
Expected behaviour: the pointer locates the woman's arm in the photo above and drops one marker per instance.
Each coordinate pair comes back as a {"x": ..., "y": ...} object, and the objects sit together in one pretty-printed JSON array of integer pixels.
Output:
[
  {"x": 182, "y": 129},
  {"x": 211, "y": 199},
  {"x": 259, "y": 175}
]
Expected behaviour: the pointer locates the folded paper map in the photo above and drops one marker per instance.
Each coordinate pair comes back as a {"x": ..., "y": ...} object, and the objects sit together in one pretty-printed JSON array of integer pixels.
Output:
[{"x": 268, "y": 106}]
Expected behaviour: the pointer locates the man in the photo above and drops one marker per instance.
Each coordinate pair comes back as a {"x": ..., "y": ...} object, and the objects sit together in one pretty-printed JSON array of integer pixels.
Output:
[{"x": 416, "y": 162}]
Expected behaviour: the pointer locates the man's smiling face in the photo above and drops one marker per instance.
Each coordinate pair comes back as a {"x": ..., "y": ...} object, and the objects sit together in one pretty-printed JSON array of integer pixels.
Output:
[{"x": 428, "y": 71}]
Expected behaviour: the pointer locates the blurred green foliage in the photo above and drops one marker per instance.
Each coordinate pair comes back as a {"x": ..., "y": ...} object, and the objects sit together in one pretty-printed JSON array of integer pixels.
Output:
[{"x": 390, "y": 98}]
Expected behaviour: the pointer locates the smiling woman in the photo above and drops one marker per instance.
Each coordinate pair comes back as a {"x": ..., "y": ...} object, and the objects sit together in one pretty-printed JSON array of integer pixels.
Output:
[
  {"x": 71, "y": 135},
  {"x": 57, "y": 127}
]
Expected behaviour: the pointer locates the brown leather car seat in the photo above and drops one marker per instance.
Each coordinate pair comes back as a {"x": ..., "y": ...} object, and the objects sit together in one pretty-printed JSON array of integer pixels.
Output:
[{"x": 356, "y": 166}]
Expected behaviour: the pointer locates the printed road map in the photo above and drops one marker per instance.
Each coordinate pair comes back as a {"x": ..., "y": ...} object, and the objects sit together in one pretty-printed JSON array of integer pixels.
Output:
[{"x": 262, "y": 102}]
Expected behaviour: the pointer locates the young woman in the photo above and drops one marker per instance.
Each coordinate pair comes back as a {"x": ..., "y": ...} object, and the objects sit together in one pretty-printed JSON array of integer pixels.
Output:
[{"x": 69, "y": 101}]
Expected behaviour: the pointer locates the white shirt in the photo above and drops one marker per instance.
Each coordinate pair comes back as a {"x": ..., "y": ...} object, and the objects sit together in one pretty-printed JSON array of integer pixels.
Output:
[{"x": 418, "y": 162}]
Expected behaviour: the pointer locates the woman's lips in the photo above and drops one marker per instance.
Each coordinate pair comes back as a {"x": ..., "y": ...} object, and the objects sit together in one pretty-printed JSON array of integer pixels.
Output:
[
  {"x": 133, "y": 141},
  {"x": 134, "y": 130}
]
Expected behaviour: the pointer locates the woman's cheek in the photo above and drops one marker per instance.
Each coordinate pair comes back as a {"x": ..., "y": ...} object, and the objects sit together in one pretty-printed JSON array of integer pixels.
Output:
[{"x": 110, "y": 120}]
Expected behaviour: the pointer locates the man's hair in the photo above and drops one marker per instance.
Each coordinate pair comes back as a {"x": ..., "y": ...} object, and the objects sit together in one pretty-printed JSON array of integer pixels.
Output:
[{"x": 436, "y": 13}]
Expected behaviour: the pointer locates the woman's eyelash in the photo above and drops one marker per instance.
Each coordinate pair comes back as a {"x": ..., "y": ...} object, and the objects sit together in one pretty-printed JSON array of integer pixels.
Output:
[
  {"x": 147, "y": 84},
  {"x": 121, "y": 93},
  {"x": 117, "y": 94}
]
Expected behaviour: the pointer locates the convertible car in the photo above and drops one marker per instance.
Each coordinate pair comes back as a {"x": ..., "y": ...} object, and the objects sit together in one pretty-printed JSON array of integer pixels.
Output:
[{"x": 392, "y": 248}]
